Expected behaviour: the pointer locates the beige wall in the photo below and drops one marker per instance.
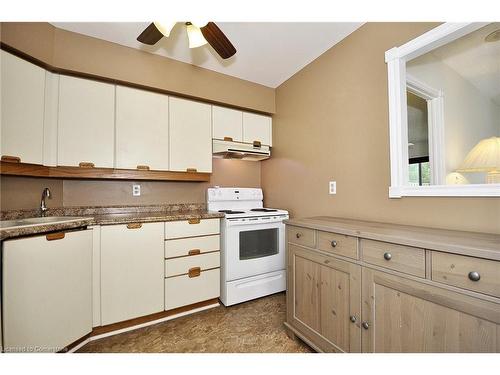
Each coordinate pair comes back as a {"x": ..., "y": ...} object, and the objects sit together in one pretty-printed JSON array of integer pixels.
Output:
[
  {"x": 25, "y": 193},
  {"x": 331, "y": 123},
  {"x": 67, "y": 50}
]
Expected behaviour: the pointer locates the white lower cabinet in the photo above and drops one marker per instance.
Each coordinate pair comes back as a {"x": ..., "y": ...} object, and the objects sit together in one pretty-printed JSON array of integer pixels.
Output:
[
  {"x": 46, "y": 291},
  {"x": 185, "y": 290},
  {"x": 132, "y": 271}
]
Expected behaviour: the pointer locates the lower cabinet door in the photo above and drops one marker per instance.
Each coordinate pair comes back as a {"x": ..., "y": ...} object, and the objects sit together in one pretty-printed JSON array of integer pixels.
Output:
[
  {"x": 46, "y": 291},
  {"x": 132, "y": 271},
  {"x": 323, "y": 300},
  {"x": 401, "y": 315}
]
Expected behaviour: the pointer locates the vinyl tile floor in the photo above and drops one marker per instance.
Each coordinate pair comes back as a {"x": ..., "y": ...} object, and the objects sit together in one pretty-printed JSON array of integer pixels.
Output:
[{"x": 251, "y": 327}]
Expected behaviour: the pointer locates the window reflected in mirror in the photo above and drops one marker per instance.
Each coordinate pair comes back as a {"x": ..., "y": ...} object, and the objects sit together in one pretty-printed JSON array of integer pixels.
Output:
[{"x": 453, "y": 111}]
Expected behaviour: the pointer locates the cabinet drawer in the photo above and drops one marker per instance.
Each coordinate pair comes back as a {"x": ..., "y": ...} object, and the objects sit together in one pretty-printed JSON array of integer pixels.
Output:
[
  {"x": 181, "y": 266},
  {"x": 185, "y": 290},
  {"x": 410, "y": 260},
  {"x": 183, "y": 246},
  {"x": 480, "y": 275},
  {"x": 301, "y": 236},
  {"x": 338, "y": 244},
  {"x": 191, "y": 228}
]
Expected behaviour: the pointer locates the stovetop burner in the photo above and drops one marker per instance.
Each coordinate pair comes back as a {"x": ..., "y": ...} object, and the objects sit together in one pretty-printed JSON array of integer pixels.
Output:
[
  {"x": 231, "y": 212},
  {"x": 263, "y": 210}
]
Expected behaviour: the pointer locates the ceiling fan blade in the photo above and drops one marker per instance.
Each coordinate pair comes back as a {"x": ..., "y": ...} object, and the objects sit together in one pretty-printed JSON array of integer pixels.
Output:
[
  {"x": 151, "y": 35},
  {"x": 216, "y": 38}
]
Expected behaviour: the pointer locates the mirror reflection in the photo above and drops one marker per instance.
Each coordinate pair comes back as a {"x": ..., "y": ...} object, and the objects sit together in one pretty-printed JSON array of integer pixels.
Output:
[{"x": 453, "y": 111}]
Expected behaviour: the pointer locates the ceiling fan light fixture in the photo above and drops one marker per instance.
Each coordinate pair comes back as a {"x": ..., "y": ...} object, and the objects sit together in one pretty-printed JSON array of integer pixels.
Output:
[
  {"x": 165, "y": 27},
  {"x": 196, "y": 38}
]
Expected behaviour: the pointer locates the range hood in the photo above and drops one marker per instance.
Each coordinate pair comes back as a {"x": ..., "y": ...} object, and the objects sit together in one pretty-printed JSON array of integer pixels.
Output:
[{"x": 238, "y": 150}]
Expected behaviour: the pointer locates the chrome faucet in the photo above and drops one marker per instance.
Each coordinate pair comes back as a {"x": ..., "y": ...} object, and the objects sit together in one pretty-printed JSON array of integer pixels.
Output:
[{"x": 43, "y": 206}]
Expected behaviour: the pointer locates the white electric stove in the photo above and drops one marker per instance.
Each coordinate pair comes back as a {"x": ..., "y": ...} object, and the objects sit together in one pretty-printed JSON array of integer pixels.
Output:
[{"x": 252, "y": 244}]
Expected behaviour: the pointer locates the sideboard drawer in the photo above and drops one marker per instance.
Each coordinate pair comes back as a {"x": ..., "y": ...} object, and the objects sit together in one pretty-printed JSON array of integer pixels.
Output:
[
  {"x": 406, "y": 259},
  {"x": 338, "y": 244},
  {"x": 475, "y": 274},
  {"x": 301, "y": 236}
]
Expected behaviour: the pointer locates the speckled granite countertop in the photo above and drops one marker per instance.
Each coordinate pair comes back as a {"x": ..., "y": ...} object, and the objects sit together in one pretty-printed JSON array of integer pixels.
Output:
[{"x": 110, "y": 215}]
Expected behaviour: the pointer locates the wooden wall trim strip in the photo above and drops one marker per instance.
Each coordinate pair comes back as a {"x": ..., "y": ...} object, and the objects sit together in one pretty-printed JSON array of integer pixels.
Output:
[
  {"x": 34, "y": 170},
  {"x": 56, "y": 70}
]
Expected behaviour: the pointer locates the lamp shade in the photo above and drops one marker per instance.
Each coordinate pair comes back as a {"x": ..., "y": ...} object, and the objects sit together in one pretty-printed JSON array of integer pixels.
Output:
[
  {"x": 165, "y": 27},
  {"x": 484, "y": 157},
  {"x": 196, "y": 38}
]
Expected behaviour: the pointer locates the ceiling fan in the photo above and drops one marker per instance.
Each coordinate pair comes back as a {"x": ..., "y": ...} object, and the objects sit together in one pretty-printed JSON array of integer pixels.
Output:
[{"x": 198, "y": 35}]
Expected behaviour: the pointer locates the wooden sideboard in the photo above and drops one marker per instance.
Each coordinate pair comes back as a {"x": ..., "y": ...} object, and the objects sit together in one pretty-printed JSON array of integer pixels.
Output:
[{"x": 357, "y": 286}]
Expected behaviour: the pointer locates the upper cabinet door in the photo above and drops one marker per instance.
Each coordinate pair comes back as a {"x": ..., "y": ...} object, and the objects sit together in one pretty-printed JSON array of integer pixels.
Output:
[
  {"x": 141, "y": 129},
  {"x": 226, "y": 123},
  {"x": 86, "y": 122},
  {"x": 257, "y": 128},
  {"x": 22, "y": 91},
  {"x": 190, "y": 135}
]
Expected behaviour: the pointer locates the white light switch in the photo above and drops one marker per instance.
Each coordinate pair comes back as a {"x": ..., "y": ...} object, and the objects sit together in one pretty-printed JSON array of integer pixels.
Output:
[
  {"x": 136, "y": 190},
  {"x": 332, "y": 187}
]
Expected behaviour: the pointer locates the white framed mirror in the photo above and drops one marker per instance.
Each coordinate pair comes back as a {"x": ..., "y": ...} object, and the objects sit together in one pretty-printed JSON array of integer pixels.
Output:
[{"x": 444, "y": 112}]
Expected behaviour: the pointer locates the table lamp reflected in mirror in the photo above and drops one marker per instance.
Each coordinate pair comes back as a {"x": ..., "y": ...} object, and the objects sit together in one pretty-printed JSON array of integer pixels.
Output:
[{"x": 484, "y": 157}]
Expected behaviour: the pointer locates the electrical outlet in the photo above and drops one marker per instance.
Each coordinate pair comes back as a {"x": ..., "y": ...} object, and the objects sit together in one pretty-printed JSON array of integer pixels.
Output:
[
  {"x": 136, "y": 190},
  {"x": 332, "y": 185}
]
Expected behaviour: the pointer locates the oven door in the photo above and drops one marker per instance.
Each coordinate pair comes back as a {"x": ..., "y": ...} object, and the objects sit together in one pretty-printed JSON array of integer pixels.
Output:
[{"x": 254, "y": 247}]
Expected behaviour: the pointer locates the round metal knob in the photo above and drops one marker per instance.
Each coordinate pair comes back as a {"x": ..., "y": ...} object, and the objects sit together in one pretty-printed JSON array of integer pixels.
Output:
[
  {"x": 334, "y": 243},
  {"x": 474, "y": 276},
  {"x": 387, "y": 256},
  {"x": 365, "y": 325},
  {"x": 298, "y": 235},
  {"x": 352, "y": 318}
]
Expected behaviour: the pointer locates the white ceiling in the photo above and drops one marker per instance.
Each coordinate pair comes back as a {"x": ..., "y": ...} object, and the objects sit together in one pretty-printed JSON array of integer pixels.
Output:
[
  {"x": 267, "y": 53},
  {"x": 475, "y": 60}
]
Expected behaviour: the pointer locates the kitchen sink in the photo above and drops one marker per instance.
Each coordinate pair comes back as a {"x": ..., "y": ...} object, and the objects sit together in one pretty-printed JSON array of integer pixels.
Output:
[{"x": 35, "y": 221}]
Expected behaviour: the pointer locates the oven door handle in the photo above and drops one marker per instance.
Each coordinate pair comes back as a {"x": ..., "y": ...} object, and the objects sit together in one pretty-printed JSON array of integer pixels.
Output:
[{"x": 238, "y": 222}]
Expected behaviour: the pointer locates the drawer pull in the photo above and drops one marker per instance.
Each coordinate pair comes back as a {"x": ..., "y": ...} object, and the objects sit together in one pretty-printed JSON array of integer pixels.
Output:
[
  {"x": 257, "y": 144},
  {"x": 11, "y": 159},
  {"x": 229, "y": 139},
  {"x": 387, "y": 256},
  {"x": 194, "y": 221},
  {"x": 143, "y": 167},
  {"x": 84, "y": 164},
  {"x": 334, "y": 243},
  {"x": 55, "y": 236},
  {"x": 194, "y": 272},
  {"x": 474, "y": 276},
  {"x": 298, "y": 235},
  {"x": 352, "y": 318},
  {"x": 194, "y": 252},
  {"x": 134, "y": 226},
  {"x": 191, "y": 170},
  {"x": 365, "y": 325}
]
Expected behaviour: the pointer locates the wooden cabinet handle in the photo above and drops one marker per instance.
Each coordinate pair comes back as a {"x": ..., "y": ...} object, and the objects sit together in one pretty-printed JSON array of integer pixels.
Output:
[
  {"x": 194, "y": 252},
  {"x": 194, "y": 272},
  {"x": 257, "y": 144},
  {"x": 194, "y": 221},
  {"x": 11, "y": 159},
  {"x": 143, "y": 167},
  {"x": 85, "y": 164},
  {"x": 134, "y": 225},
  {"x": 230, "y": 139},
  {"x": 55, "y": 236},
  {"x": 191, "y": 170}
]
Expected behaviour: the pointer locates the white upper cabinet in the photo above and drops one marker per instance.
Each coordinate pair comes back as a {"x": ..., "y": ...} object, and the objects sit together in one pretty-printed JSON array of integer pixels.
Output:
[
  {"x": 190, "y": 135},
  {"x": 22, "y": 109},
  {"x": 141, "y": 129},
  {"x": 86, "y": 122},
  {"x": 257, "y": 128},
  {"x": 227, "y": 122}
]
